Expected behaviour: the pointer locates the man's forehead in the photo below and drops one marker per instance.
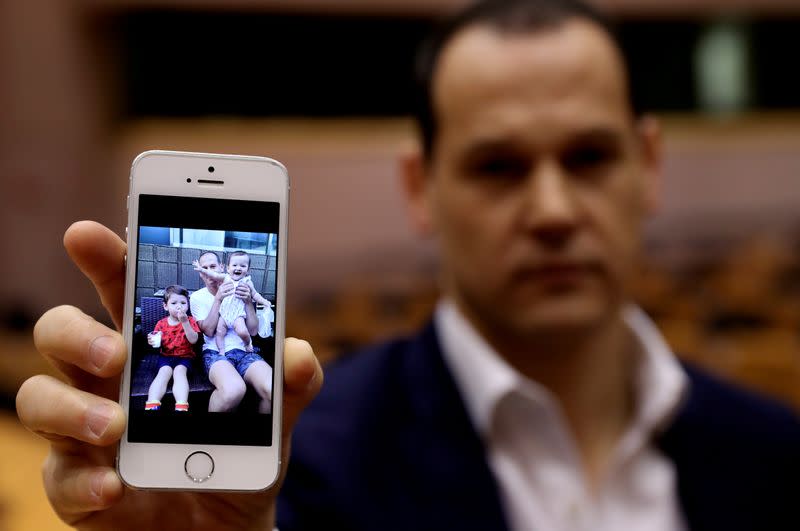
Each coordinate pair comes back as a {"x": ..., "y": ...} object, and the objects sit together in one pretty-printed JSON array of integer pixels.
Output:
[
  {"x": 209, "y": 257},
  {"x": 575, "y": 61}
]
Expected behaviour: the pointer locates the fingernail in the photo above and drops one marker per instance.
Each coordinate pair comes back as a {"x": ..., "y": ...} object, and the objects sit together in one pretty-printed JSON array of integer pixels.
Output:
[
  {"x": 100, "y": 351},
  {"x": 97, "y": 485},
  {"x": 312, "y": 381},
  {"x": 98, "y": 418}
]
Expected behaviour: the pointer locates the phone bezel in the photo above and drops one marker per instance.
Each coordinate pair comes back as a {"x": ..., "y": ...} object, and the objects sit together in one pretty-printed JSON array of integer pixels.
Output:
[{"x": 237, "y": 468}]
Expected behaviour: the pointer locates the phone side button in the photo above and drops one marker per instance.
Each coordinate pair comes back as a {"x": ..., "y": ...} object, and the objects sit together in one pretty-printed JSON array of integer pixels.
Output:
[{"x": 199, "y": 467}]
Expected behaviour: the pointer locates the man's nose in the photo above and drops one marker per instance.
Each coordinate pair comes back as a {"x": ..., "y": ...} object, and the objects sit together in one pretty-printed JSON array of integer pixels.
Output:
[{"x": 551, "y": 210}]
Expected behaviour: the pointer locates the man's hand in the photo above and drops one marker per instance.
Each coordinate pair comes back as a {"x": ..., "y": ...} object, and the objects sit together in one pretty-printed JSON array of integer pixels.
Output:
[
  {"x": 224, "y": 290},
  {"x": 243, "y": 292},
  {"x": 83, "y": 421}
]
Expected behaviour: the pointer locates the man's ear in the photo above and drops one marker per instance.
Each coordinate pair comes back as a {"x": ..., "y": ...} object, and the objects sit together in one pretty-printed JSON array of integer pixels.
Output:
[
  {"x": 651, "y": 146},
  {"x": 416, "y": 184}
]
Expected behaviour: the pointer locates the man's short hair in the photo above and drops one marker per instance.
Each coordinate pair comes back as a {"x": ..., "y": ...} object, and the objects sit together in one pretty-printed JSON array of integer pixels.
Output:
[
  {"x": 506, "y": 17},
  {"x": 203, "y": 253},
  {"x": 176, "y": 289},
  {"x": 237, "y": 253}
]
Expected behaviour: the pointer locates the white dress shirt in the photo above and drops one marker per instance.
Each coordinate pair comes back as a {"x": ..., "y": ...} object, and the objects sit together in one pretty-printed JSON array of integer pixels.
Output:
[{"x": 533, "y": 455}]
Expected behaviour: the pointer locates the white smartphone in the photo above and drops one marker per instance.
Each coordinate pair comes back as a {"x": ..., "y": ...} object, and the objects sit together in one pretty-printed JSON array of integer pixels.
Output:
[{"x": 204, "y": 322}]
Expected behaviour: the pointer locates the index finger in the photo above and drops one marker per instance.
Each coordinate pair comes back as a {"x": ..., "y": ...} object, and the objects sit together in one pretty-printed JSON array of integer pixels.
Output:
[
  {"x": 100, "y": 255},
  {"x": 88, "y": 352}
]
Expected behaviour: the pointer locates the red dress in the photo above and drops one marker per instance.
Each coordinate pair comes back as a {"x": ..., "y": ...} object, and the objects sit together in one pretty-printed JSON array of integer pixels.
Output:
[{"x": 173, "y": 339}]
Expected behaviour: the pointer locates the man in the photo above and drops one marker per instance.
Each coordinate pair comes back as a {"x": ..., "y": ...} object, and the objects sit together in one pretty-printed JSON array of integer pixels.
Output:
[
  {"x": 538, "y": 398},
  {"x": 230, "y": 371}
]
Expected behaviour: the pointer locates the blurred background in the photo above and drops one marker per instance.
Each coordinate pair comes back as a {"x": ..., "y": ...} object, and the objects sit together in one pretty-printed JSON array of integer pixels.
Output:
[{"x": 323, "y": 86}]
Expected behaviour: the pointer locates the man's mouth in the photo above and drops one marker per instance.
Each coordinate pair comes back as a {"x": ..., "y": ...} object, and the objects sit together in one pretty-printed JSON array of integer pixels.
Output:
[{"x": 557, "y": 272}]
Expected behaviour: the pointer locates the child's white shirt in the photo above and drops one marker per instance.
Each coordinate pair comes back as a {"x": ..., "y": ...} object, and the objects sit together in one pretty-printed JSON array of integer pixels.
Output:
[{"x": 232, "y": 307}]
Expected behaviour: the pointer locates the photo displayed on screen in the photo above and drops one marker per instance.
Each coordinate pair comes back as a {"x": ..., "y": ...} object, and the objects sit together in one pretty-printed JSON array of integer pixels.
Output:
[{"x": 203, "y": 347}]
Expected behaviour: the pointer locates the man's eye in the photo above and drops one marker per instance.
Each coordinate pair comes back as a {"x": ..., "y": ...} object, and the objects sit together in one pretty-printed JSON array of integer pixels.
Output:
[
  {"x": 588, "y": 159},
  {"x": 500, "y": 167}
]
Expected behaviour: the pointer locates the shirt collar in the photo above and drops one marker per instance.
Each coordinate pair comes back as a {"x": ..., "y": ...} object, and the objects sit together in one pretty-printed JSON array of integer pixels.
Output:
[{"x": 483, "y": 377}]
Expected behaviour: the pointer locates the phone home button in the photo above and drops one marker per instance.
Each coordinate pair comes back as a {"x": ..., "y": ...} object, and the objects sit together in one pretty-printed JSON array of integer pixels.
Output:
[{"x": 199, "y": 466}]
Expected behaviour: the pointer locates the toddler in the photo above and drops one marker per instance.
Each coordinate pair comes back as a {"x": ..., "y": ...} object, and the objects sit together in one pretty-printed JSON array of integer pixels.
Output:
[{"x": 175, "y": 335}]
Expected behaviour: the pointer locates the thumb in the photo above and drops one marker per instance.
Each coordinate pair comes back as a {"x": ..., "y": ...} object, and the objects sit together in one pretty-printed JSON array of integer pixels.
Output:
[{"x": 302, "y": 380}]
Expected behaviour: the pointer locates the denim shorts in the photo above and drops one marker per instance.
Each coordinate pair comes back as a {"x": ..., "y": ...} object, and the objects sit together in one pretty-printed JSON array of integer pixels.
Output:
[
  {"x": 240, "y": 359},
  {"x": 174, "y": 361}
]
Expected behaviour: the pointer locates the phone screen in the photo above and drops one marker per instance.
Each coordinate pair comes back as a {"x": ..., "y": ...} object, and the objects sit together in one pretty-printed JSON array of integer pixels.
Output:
[{"x": 203, "y": 348}]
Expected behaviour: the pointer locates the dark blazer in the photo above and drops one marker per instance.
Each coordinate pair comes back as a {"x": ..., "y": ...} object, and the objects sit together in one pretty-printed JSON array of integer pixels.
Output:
[{"x": 388, "y": 445}]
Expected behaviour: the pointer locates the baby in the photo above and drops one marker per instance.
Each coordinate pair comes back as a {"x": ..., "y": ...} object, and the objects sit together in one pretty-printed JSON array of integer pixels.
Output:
[
  {"x": 175, "y": 336},
  {"x": 231, "y": 310}
]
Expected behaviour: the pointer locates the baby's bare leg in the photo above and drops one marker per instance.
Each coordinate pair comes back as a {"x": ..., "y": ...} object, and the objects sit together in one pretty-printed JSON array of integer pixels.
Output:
[
  {"x": 222, "y": 331},
  {"x": 240, "y": 327}
]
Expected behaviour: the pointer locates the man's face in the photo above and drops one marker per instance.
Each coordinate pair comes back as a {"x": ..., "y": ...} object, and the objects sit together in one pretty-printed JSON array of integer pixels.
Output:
[
  {"x": 209, "y": 261},
  {"x": 539, "y": 178}
]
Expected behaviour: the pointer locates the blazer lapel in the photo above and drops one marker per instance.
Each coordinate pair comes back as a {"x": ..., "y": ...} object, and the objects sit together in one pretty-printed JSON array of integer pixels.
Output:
[
  {"x": 724, "y": 477},
  {"x": 456, "y": 486}
]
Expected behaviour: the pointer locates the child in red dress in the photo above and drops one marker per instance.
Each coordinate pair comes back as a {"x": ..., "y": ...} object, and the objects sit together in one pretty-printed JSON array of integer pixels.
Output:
[{"x": 175, "y": 335}]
